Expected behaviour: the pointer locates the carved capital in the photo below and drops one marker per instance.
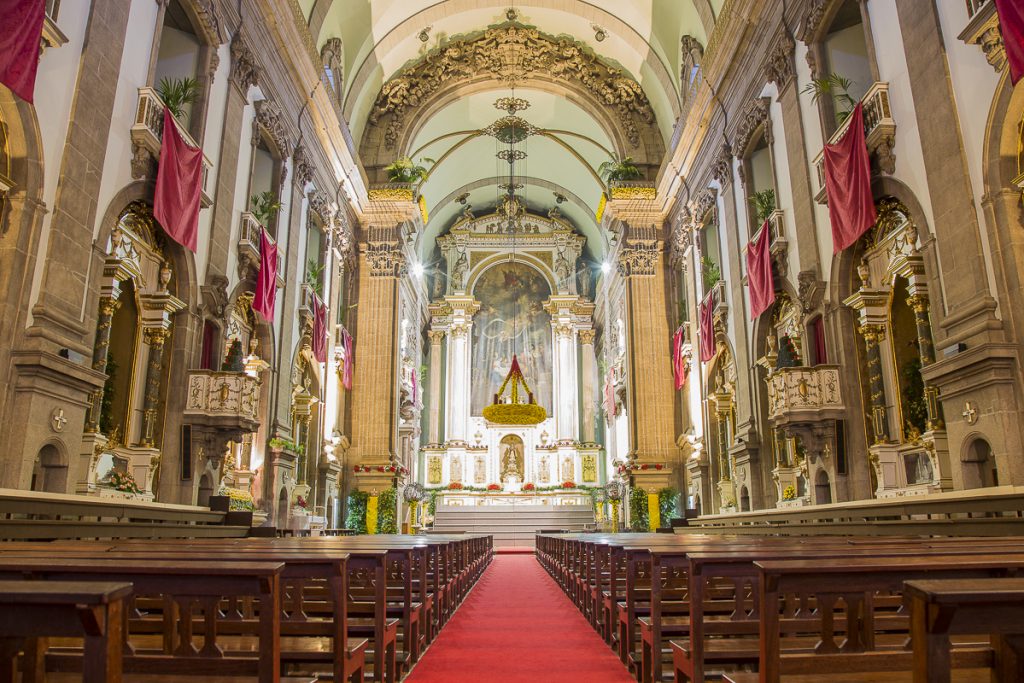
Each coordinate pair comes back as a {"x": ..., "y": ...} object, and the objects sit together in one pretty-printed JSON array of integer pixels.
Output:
[
  {"x": 436, "y": 337},
  {"x": 245, "y": 71},
  {"x": 778, "y": 67},
  {"x": 587, "y": 337},
  {"x": 385, "y": 259},
  {"x": 639, "y": 258},
  {"x": 754, "y": 115},
  {"x": 155, "y": 336}
]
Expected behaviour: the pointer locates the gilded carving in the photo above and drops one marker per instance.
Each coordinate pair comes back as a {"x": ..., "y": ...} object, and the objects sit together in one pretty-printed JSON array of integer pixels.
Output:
[
  {"x": 639, "y": 258},
  {"x": 511, "y": 54}
]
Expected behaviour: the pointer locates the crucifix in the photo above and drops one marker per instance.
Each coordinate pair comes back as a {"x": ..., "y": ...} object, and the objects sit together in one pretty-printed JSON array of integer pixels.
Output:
[
  {"x": 57, "y": 420},
  {"x": 970, "y": 414}
]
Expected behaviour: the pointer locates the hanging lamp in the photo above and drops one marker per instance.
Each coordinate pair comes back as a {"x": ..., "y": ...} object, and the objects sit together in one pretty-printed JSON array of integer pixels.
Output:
[{"x": 518, "y": 407}]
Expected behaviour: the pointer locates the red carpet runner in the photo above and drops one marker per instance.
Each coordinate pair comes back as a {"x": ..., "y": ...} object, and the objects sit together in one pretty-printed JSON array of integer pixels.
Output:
[{"x": 518, "y": 627}]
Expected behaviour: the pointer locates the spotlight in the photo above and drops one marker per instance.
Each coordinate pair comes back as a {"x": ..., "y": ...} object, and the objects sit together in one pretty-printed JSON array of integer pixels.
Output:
[
  {"x": 606, "y": 267},
  {"x": 417, "y": 269}
]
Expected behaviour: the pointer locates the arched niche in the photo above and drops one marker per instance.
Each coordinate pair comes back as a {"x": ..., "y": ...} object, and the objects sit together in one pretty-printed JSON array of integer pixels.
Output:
[{"x": 50, "y": 470}]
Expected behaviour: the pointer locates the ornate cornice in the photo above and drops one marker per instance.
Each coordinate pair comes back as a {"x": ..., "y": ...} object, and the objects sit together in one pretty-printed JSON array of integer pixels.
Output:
[
  {"x": 270, "y": 119},
  {"x": 209, "y": 24},
  {"x": 303, "y": 170},
  {"x": 511, "y": 53},
  {"x": 754, "y": 115},
  {"x": 385, "y": 259},
  {"x": 639, "y": 258},
  {"x": 812, "y": 19},
  {"x": 244, "y": 69},
  {"x": 778, "y": 67},
  {"x": 704, "y": 201},
  {"x": 722, "y": 168}
]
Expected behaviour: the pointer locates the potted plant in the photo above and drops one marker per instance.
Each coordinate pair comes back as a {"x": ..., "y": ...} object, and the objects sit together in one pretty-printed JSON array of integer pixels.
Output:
[
  {"x": 763, "y": 203},
  {"x": 122, "y": 481},
  {"x": 838, "y": 88},
  {"x": 618, "y": 168},
  {"x": 264, "y": 206},
  {"x": 178, "y": 93},
  {"x": 234, "y": 362},
  {"x": 404, "y": 170},
  {"x": 314, "y": 276},
  {"x": 710, "y": 272}
]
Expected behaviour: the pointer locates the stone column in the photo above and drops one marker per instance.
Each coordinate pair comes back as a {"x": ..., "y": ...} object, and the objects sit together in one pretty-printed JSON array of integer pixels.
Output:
[
  {"x": 565, "y": 389},
  {"x": 918, "y": 302},
  {"x": 154, "y": 338},
  {"x": 588, "y": 391},
  {"x": 109, "y": 303},
  {"x": 873, "y": 335},
  {"x": 457, "y": 391},
  {"x": 434, "y": 425}
]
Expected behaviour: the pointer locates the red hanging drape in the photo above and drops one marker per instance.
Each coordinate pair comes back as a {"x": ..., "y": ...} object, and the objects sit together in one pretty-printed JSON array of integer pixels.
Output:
[
  {"x": 21, "y": 29},
  {"x": 679, "y": 365},
  {"x": 319, "y": 329},
  {"x": 265, "y": 296},
  {"x": 707, "y": 330},
  {"x": 179, "y": 181},
  {"x": 415, "y": 389},
  {"x": 1011, "y": 24},
  {"x": 350, "y": 360},
  {"x": 609, "y": 393},
  {"x": 851, "y": 208},
  {"x": 759, "y": 273}
]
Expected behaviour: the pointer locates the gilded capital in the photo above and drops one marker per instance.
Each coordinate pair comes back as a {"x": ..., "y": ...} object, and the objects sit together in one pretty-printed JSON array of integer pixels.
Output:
[
  {"x": 155, "y": 336},
  {"x": 587, "y": 337},
  {"x": 436, "y": 336}
]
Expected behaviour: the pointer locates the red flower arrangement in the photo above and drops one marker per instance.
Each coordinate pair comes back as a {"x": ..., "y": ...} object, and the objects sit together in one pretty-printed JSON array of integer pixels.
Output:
[
  {"x": 568, "y": 484},
  {"x": 361, "y": 468},
  {"x": 494, "y": 487},
  {"x": 529, "y": 487},
  {"x": 301, "y": 502},
  {"x": 455, "y": 486}
]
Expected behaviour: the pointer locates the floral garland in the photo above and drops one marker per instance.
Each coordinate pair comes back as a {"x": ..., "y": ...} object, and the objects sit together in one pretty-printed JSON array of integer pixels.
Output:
[
  {"x": 634, "y": 467},
  {"x": 494, "y": 487},
  {"x": 123, "y": 481},
  {"x": 634, "y": 192},
  {"x": 392, "y": 469}
]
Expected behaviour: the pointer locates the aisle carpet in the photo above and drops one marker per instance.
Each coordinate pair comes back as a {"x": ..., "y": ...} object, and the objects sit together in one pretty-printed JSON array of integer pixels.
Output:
[{"x": 518, "y": 627}]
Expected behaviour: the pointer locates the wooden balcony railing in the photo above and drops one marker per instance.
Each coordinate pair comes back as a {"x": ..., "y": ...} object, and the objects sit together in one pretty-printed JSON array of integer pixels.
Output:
[
  {"x": 975, "y": 6},
  {"x": 228, "y": 399},
  {"x": 803, "y": 394},
  {"x": 879, "y": 132},
  {"x": 147, "y": 132}
]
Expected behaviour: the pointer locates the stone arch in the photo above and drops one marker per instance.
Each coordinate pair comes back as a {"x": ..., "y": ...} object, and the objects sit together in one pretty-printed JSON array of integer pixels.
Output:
[
  {"x": 282, "y": 508},
  {"x": 822, "y": 487},
  {"x": 50, "y": 472},
  {"x": 744, "y": 499},
  {"x": 204, "y": 490},
  {"x": 979, "y": 466},
  {"x": 523, "y": 258}
]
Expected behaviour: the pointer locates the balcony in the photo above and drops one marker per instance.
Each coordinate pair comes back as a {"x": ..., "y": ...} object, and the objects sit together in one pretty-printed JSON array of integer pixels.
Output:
[
  {"x": 719, "y": 303},
  {"x": 147, "y": 132},
  {"x": 632, "y": 190},
  {"x": 228, "y": 401},
  {"x": 804, "y": 395},
  {"x": 984, "y": 31},
  {"x": 778, "y": 245},
  {"x": 249, "y": 247},
  {"x": 307, "y": 299},
  {"x": 879, "y": 134}
]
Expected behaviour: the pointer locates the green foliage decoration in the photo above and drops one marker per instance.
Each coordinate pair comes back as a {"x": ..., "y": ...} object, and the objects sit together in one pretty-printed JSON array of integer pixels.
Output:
[
  {"x": 711, "y": 273},
  {"x": 838, "y": 88},
  {"x": 356, "y": 519},
  {"x": 668, "y": 504},
  {"x": 264, "y": 206},
  {"x": 638, "y": 519},
  {"x": 233, "y": 362},
  {"x": 763, "y": 203},
  {"x": 405, "y": 170},
  {"x": 387, "y": 511},
  {"x": 178, "y": 93},
  {"x": 618, "y": 168}
]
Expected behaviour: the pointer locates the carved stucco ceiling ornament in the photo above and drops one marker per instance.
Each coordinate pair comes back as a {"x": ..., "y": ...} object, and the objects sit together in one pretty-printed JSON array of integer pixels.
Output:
[
  {"x": 510, "y": 54},
  {"x": 778, "y": 67}
]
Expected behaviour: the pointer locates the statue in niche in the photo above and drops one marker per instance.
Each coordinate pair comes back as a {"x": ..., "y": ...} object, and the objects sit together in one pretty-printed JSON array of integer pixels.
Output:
[
  {"x": 455, "y": 474},
  {"x": 562, "y": 269},
  {"x": 480, "y": 470},
  {"x": 512, "y": 461},
  {"x": 467, "y": 213},
  {"x": 543, "y": 470},
  {"x": 438, "y": 284},
  {"x": 459, "y": 271},
  {"x": 433, "y": 470},
  {"x": 568, "y": 470},
  {"x": 584, "y": 279}
]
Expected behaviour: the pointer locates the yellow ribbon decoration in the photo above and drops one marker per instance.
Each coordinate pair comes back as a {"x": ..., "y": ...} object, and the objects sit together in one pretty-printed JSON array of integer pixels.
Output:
[
  {"x": 653, "y": 511},
  {"x": 371, "y": 515}
]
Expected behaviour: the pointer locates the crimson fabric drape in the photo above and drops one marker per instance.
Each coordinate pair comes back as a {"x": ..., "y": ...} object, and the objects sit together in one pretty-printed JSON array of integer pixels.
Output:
[
  {"x": 179, "y": 180},
  {"x": 679, "y": 366},
  {"x": 265, "y": 298},
  {"x": 851, "y": 208},
  {"x": 609, "y": 393},
  {"x": 350, "y": 360},
  {"x": 319, "y": 329},
  {"x": 21, "y": 29},
  {"x": 759, "y": 273},
  {"x": 707, "y": 330},
  {"x": 415, "y": 389},
  {"x": 820, "y": 354},
  {"x": 1011, "y": 24}
]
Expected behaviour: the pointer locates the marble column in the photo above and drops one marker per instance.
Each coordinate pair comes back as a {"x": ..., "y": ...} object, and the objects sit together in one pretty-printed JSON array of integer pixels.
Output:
[
  {"x": 155, "y": 337},
  {"x": 434, "y": 423},
  {"x": 457, "y": 389},
  {"x": 565, "y": 390},
  {"x": 588, "y": 390},
  {"x": 873, "y": 335}
]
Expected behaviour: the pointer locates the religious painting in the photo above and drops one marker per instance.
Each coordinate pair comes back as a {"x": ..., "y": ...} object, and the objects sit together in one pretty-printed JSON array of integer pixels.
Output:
[
  {"x": 455, "y": 475},
  {"x": 433, "y": 470},
  {"x": 480, "y": 470},
  {"x": 544, "y": 470},
  {"x": 568, "y": 470},
  {"x": 589, "y": 468},
  {"x": 511, "y": 320},
  {"x": 919, "y": 468}
]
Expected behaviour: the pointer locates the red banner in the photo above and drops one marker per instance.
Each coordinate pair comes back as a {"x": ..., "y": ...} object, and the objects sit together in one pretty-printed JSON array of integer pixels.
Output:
[
  {"x": 679, "y": 364},
  {"x": 609, "y": 393},
  {"x": 759, "y": 272},
  {"x": 1011, "y": 23},
  {"x": 266, "y": 279},
  {"x": 851, "y": 208},
  {"x": 21, "y": 29},
  {"x": 707, "y": 329},
  {"x": 179, "y": 180},
  {"x": 350, "y": 360},
  {"x": 319, "y": 329}
]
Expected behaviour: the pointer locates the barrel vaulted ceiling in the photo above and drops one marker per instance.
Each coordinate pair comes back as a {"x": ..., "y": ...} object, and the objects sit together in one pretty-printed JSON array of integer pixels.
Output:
[{"x": 396, "y": 45}]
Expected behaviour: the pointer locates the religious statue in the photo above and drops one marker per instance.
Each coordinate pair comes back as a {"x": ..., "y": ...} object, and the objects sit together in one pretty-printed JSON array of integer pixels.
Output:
[
  {"x": 568, "y": 470},
  {"x": 584, "y": 279},
  {"x": 480, "y": 470},
  {"x": 562, "y": 269},
  {"x": 256, "y": 487},
  {"x": 511, "y": 463},
  {"x": 467, "y": 213},
  {"x": 459, "y": 272},
  {"x": 543, "y": 470},
  {"x": 455, "y": 475},
  {"x": 438, "y": 285}
]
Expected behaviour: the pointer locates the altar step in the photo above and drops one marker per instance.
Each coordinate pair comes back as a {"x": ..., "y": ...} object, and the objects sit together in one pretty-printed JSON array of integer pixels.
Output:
[{"x": 512, "y": 525}]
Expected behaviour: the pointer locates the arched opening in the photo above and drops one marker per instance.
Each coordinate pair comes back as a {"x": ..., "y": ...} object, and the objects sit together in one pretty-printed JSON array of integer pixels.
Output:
[
  {"x": 282, "y": 509},
  {"x": 511, "y": 460},
  {"x": 179, "y": 55},
  {"x": 205, "y": 490},
  {"x": 822, "y": 488},
  {"x": 50, "y": 472},
  {"x": 979, "y": 465},
  {"x": 907, "y": 355},
  {"x": 115, "y": 409},
  {"x": 744, "y": 499}
]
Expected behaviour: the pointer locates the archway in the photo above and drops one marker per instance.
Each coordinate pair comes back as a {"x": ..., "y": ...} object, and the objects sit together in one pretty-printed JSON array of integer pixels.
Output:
[
  {"x": 511, "y": 460},
  {"x": 744, "y": 499},
  {"x": 980, "y": 470},
  {"x": 822, "y": 488},
  {"x": 50, "y": 473},
  {"x": 282, "y": 509}
]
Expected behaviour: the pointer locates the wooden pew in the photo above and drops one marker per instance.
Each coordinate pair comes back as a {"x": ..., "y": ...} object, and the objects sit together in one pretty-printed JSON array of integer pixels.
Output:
[
  {"x": 31, "y": 611},
  {"x": 941, "y": 608}
]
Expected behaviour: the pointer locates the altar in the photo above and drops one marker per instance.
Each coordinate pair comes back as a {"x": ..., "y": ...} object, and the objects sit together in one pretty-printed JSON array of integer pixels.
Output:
[{"x": 508, "y": 499}]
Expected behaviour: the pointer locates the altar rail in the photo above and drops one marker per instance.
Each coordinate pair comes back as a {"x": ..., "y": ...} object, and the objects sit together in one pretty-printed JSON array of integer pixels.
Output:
[
  {"x": 39, "y": 515},
  {"x": 979, "y": 512}
]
